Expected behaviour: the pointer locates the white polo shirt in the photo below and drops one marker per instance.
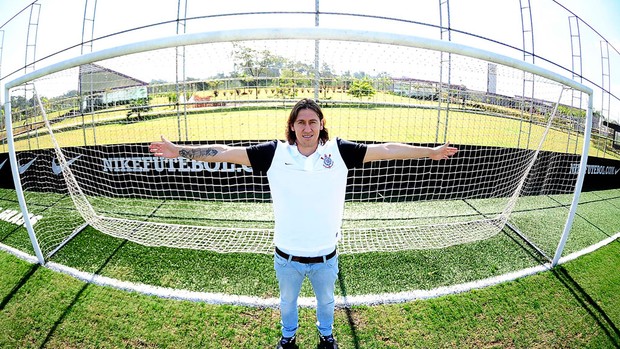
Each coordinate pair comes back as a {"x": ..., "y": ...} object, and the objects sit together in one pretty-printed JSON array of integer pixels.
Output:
[{"x": 308, "y": 192}]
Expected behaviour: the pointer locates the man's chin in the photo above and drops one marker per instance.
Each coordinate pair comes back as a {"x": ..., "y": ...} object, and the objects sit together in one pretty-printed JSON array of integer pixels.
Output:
[{"x": 311, "y": 141}]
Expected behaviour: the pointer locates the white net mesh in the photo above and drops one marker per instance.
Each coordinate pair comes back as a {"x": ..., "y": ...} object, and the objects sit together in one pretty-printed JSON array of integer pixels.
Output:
[{"x": 240, "y": 94}]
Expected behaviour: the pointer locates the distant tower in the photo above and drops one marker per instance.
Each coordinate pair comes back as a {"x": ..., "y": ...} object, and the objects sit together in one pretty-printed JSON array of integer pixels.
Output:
[
  {"x": 492, "y": 83},
  {"x": 492, "y": 79}
]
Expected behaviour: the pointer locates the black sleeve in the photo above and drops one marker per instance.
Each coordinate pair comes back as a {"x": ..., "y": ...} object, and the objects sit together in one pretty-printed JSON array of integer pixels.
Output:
[
  {"x": 261, "y": 155},
  {"x": 352, "y": 153}
]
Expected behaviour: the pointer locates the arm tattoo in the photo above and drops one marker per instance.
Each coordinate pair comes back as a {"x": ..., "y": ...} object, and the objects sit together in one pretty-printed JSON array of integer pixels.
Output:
[{"x": 195, "y": 154}]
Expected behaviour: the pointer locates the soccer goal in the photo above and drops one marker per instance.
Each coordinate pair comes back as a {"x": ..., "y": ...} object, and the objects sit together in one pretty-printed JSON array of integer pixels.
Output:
[{"x": 81, "y": 158}]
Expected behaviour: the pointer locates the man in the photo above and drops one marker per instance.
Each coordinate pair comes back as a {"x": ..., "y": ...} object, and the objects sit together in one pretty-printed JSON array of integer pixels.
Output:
[{"x": 307, "y": 177}]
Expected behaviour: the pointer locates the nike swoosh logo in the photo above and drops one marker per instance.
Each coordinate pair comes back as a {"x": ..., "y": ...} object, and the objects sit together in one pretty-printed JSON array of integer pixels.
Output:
[
  {"x": 3, "y": 162},
  {"x": 57, "y": 169},
  {"x": 288, "y": 163},
  {"x": 24, "y": 168}
]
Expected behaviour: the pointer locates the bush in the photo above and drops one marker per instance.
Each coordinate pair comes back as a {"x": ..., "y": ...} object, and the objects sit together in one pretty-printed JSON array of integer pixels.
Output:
[{"x": 361, "y": 88}]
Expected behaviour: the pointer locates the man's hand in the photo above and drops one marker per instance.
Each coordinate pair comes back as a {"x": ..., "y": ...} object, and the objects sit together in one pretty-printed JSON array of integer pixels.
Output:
[
  {"x": 443, "y": 152},
  {"x": 165, "y": 148}
]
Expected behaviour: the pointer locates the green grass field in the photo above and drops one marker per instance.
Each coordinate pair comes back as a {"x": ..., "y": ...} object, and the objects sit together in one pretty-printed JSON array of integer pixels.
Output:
[
  {"x": 526, "y": 313},
  {"x": 572, "y": 306},
  {"x": 541, "y": 218}
]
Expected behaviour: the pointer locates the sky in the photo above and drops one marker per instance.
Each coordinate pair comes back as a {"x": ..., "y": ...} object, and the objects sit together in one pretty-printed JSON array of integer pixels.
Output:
[{"x": 61, "y": 22}]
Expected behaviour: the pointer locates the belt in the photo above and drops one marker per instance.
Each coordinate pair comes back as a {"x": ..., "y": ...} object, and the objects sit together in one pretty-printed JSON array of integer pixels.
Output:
[{"x": 306, "y": 260}]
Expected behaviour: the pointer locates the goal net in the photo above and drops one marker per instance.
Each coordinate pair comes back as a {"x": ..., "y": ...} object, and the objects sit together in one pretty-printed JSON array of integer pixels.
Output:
[{"x": 81, "y": 142}]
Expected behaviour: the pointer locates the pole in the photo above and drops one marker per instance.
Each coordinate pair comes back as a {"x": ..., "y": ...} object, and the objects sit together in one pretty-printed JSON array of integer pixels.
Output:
[
  {"x": 17, "y": 181},
  {"x": 578, "y": 185}
]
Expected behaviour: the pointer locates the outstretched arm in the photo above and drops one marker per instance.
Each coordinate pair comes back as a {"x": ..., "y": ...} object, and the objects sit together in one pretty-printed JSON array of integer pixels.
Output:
[
  {"x": 206, "y": 153},
  {"x": 394, "y": 151}
]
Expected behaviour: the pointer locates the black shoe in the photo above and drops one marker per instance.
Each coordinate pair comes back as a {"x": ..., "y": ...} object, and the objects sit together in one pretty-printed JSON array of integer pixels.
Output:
[
  {"x": 327, "y": 342},
  {"x": 287, "y": 343}
]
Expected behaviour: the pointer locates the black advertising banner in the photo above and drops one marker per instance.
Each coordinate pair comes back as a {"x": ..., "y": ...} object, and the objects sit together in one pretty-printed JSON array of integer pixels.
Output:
[{"x": 129, "y": 170}]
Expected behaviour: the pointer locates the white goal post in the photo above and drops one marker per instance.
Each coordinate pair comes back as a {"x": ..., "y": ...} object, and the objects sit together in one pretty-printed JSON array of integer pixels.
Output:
[{"x": 115, "y": 186}]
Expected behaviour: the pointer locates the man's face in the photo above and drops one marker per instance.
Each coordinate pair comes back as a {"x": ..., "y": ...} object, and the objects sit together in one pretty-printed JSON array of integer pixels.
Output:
[{"x": 307, "y": 127}]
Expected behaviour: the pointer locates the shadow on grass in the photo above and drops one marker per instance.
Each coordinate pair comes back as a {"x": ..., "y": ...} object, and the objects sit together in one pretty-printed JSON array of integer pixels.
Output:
[
  {"x": 589, "y": 304},
  {"x": 78, "y": 295},
  {"x": 527, "y": 247},
  {"x": 18, "y": 286},
  {"x": 347, "y": 310},
  {"x": 608, "y": 234},
  {"x": 9, "y": 233}
]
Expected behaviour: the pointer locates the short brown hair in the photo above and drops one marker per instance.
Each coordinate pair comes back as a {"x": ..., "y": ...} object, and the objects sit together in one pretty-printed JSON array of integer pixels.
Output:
[{"x": 305, "y": 103}]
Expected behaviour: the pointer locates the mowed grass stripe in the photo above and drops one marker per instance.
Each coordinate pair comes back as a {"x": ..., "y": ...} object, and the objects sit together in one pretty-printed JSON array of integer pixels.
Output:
[{"x": 411, "y": 125}]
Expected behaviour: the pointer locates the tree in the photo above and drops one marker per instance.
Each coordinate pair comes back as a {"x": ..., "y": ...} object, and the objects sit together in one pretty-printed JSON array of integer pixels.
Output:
[
  {"x": 287, "y": 87},
  {"x": 327, "y": 78},
  {"x": 251, "y": 64},
  {"x": 19, "y": 105},
  {"x": 361, "y": 88},
  {"x": 70, "y": 94},
  {"x": 385, "y": 82}
]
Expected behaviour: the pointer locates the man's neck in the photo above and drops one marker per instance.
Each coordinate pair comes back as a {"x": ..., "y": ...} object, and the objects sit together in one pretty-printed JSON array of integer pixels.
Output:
[{"x": 306, "y": 151}]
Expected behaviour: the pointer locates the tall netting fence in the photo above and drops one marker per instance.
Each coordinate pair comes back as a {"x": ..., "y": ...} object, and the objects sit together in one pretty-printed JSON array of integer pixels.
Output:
[{"x": 81, "y": 142}]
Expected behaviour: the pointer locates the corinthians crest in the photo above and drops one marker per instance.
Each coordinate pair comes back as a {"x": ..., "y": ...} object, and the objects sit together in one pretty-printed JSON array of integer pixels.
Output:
[{"x": 327, "y": 160}]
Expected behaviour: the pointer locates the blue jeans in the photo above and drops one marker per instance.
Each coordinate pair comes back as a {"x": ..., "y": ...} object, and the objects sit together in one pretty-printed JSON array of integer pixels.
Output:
[{"x": 322, "y": 276}]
